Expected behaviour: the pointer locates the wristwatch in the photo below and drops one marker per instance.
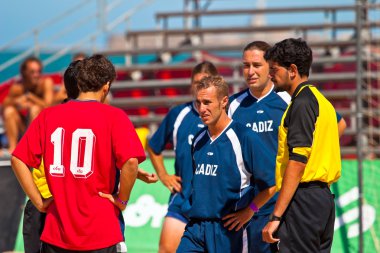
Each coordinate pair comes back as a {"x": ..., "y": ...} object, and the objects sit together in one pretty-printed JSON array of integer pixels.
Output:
[{"x": 273, "y": 217}]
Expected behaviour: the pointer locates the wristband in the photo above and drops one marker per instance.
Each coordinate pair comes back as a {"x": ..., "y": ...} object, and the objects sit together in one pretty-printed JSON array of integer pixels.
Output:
[
  {"x": 121, "y": 201},
  {"x": 254, "y": 207},
  {"x": 273, "y": 217}
]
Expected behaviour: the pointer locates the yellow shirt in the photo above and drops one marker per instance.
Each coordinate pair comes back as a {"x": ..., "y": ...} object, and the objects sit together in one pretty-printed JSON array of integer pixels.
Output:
[
  {"x": 40, "y": 181},
  {"x": 309, "y": 133}
]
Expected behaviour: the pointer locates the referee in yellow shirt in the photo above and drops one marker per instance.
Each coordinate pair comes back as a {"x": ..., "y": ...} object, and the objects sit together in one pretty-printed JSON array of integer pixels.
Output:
[{"x": 308, "y": 156}]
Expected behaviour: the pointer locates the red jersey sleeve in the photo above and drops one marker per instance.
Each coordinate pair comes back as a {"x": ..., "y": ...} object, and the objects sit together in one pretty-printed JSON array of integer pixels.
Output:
[
  {"x": 125, "y": 142},
  {"x": 29, "y": 149}
]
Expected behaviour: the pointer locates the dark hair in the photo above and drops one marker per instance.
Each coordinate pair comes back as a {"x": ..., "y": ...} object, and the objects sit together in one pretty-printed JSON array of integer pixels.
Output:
[
  {"x": 24, "y": 64},
  {"x": 260, "y": 45},
  {"x": 216, "y": 81},
  {"x": 292, "y": 51},
  {"x": 94, "y": 72},
  {"x": 204, "y": 67},
  {"x": 70, "y": 80}
]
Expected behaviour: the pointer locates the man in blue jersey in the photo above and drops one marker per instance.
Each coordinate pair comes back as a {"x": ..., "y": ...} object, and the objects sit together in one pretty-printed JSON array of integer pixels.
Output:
[
  {"x": 228, "y": 163},
  {"x": 178, "y": 128},
  {"x": 260, "y": 109}
]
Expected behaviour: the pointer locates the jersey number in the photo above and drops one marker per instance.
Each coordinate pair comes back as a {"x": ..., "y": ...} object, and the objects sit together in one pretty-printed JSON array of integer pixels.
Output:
[{"x": 82, "y": 145}]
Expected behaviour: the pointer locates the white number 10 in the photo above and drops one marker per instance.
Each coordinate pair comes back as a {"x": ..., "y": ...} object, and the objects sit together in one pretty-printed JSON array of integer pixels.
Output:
[{"x": 82, "y": 145}]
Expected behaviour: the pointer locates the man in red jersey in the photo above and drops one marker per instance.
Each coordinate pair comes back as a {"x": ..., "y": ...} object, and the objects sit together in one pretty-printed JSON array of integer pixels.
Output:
[{"x": 81, "y": 141}]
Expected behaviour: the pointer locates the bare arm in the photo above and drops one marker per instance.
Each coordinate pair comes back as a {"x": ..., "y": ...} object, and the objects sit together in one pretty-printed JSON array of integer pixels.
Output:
[
  {"x": 14, "y": 96},
  {"x": 24, "y": 176},
  {"x": 60, "y": 95},
  {"x": 341, "y": 127},
  {"x": 292, "y": 177},
  {"x": 128, "y": 177},
  {"x": 172, "y": 182},
  {"x": 48, "y": 91},
  {"x": 146, "y": 177}
]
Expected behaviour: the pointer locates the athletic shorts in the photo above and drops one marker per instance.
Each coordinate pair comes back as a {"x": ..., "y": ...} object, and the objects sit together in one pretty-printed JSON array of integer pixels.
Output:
[
  {"x": 48, "y": 248},
  {"x": 211, "y": 237},
  {"x": 255, "y": 238},
  {"x": 177, "y": 216},
  {"x": 121, "y": 247},
  {"x": 308, "y": 222},
  {"x": 32, "y": 227}
]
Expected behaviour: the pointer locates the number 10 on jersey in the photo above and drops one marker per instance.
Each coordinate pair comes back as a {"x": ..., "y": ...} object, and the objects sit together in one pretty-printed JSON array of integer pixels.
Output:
[{"x": 82, "y": 146}]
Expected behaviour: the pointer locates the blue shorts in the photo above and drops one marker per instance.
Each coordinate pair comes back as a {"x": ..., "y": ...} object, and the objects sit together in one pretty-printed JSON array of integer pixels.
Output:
[
  {"x": 255, "y": 239},
  {"x": 210, "y": 236},
  {"x": 177, "y": 216},
  {"x": 175, "y": 208}
]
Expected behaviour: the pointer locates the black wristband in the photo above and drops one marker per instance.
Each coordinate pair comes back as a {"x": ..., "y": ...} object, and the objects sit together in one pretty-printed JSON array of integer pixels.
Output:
[{"x": 273, "y": 217}]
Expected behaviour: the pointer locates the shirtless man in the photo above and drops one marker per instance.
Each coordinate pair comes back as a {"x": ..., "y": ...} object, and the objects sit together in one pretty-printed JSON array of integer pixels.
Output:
[{"x": 26, "y": 98}]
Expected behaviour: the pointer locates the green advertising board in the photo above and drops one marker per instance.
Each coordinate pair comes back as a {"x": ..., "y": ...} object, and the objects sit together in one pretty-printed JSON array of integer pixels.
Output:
[{"x": 147, "y": 208}]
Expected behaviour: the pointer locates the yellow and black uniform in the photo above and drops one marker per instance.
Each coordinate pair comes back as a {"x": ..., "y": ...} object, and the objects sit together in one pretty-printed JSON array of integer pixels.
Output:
[
  {"x": 309, "y": 134},
  {"x": 34, "y": 221}
]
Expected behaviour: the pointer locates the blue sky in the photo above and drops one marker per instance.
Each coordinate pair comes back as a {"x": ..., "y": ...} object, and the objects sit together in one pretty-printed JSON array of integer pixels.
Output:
[{"x": 19, "y": 16}]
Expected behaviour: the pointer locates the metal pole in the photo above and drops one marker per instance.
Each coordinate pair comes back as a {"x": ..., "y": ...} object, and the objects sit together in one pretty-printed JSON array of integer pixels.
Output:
[
  {"x": 101, "y": 15},
  {"x": 187, "y": 19},
  {"x": 36, "y": 44},
  {"x": 359, "y": 114}
]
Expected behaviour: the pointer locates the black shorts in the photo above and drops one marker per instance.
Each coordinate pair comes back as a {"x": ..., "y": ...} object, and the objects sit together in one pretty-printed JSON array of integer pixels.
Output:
[
  {"x": 32, "y": 228},
  {"x": 48, "y": 248},
  {"x": 308, "y": 222}
]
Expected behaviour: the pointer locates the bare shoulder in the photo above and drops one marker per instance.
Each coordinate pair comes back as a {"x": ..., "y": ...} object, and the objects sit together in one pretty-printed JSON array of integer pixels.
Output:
[
  {"x": 16, "y": 89},
  {"x": 47, "y": 81},
  {"x": 46, "y": 85}
]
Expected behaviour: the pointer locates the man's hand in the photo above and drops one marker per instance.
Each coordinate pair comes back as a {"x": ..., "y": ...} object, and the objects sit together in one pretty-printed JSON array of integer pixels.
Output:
[
  {"x": 146, "y": 177},
  {"x": 238, "y": 219},
  {"x": 268, "y": 231},
  {"x": 22, "y": 102},
  {"x": 172, "y": 182},
  {"x": 113, "y": 199},
  {"x": 42, "y": 207}
]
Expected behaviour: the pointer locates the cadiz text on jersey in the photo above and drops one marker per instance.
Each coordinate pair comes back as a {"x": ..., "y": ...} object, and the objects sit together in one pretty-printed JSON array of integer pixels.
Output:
[
  {"x": 261, "y": 126},
  {"x": 206, "y": 169}
]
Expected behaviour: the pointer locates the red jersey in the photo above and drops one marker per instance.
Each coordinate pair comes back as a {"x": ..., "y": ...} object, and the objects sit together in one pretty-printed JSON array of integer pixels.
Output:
[{"x": 81, "y": 143}]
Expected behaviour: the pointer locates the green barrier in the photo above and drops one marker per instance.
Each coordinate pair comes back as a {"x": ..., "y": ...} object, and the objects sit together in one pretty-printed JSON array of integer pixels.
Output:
[
  {"x": 346, "y": 236},
  {"x": 148, "y": 204}
]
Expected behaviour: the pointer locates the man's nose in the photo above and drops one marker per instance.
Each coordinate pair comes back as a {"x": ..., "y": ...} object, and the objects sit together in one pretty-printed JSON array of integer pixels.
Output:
[{"x": 251, "y": 70}]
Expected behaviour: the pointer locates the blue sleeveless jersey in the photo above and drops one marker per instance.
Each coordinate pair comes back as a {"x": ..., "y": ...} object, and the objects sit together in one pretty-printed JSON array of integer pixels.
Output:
[
  {"x": 225, "y": 169},
  {"x": 262, "y": 116},
  {"x": 178, "y": 128}
]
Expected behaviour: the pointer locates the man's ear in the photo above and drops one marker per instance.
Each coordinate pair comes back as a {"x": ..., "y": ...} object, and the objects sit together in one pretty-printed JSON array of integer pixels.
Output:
[
  {"x": 225, "y": 101},
  {"x": 293, "y": 71},
  {"x": 106, "y": 87}
]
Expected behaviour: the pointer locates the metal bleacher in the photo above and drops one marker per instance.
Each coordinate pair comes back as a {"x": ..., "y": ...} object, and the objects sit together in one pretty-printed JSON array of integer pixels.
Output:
[
  {"x": 147, "y": 90},
  {"x": 334, "y": 73}
]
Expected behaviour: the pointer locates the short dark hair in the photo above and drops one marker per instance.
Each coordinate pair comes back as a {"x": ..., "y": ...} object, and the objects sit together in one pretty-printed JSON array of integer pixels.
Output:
[
  {"x": 70, "y": 80},
  {"x": 94, "y": 72},
  {"x": 24, "y": 64},
  {"x": 258, "y": 44},
  {"x": 292, "y": 51},
  {"x": 204, "y": 67},
  {"x": 216, "y": 81}
]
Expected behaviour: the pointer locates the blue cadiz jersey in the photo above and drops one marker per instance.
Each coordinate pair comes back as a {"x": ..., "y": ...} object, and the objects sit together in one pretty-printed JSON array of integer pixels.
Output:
[
  {"x": 179, "y": 127},
  {"x": 224, "y": 169},
  {"x": 263, "y": 116}
]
